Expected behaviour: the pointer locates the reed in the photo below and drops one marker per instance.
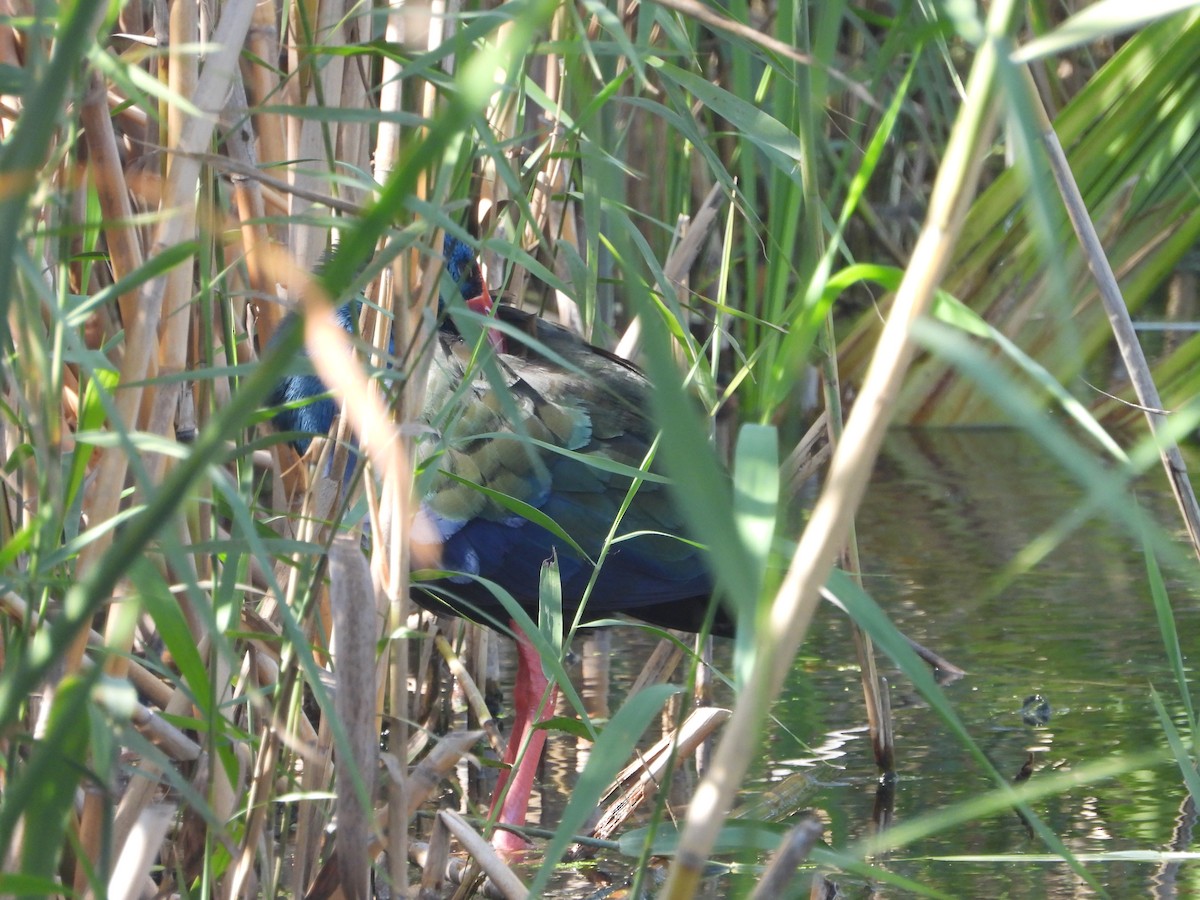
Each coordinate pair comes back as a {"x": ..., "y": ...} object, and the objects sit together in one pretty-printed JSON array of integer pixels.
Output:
[{"x": 198, "y": 657}]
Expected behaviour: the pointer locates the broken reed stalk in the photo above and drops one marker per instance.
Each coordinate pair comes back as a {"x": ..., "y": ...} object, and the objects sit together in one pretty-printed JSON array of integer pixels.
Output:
[
  {"x": 640, "y": 780},
  {"x": 426, "y": 777},
  {"x": 1117, "y": 311},
  {"x": 420, "y": 785},
  {"x": 851, "y": 464},
  {"x": 663, "y": 660},
  {"x": 472, "y": 693},
  {"x": 434, "y": 860},
  {"x": 797, "y": 844},
  {"x": 483, "y": 853},
  {"x": 879, "y": 729}
]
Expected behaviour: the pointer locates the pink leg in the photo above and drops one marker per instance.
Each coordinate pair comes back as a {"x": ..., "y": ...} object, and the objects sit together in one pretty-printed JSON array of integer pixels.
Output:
[{"x": 530, "y": 689}]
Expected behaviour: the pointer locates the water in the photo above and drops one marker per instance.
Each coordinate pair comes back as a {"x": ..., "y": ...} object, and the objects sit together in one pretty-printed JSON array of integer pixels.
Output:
[{"x": 945, "y": 513}]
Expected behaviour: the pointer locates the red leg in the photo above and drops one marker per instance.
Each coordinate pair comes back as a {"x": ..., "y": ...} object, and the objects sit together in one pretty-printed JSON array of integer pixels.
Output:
[{"x": 524, "y": 741}]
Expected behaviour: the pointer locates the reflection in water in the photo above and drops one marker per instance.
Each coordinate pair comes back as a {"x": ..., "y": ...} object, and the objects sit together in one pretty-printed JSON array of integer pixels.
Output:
[
  {"x": 947, "y": 512},
  {"x": 1166, "y": 881},
  {"x": 595, "y": 672}
]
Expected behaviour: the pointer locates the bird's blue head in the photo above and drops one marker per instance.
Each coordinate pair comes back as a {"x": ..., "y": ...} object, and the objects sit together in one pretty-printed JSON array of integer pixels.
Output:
[
  {"x": 316, "y": 417},
  {"x": 462, "y": 267}
]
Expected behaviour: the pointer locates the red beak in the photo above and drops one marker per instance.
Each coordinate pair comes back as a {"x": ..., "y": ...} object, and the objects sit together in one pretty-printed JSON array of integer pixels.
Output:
[{"x": 483, "y": 305}]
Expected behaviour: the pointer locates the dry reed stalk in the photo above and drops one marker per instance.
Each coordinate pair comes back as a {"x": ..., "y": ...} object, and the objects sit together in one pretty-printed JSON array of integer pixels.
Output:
[
  {"x": 554, "y": 211},
  {"x": 102, "y": 499},
  {"x": 483, "y": 648},
  {"x": 167, "y": 737},
  {"x": 851, "y": 464},
  {"x": 418, "y": 787},
  {"x": 261, "y": 669},
  {"x": 183, "y": 68},
  {"x": 561, "y": 222},
  {"x": 131, "y": 19},
  {"x": 309, "y": 140},
  {"x": 471, "y": 690},
  {"x": 318, "y": 506},
  {"x": 276, "y": 200},
  {"x": 879, "y": 728},
  {"x": 391, "y": 558},
  {"x": 1127, "y": 340},
  {"x": 879, "y": 725},
  {"x": 211, "y": 90},
  {"x": 391, "y": 101},
  {"x": 313, "y": 815},
  {"x": 691, "y": 237},
  {"x": 357, "y": 626},
  {"x": 131, "y": 873},
  {"x": 134, "y": 121},
  {"x": 363, "y": 412},
  {"x": 390, "y": 568},
  {"x": 427, "y": 776},
  {"x": 702, "y": 694},
  {"x": 405, "y": 27},
  {"x": 236, "y": 882},
  {"x": 147, "y": 684},
  {"x": 183, "y": 81},
  {"x": 262, "y": 88},
  {"x": 780, "y": 875},
  {"x": 193, "y": 134},
  {"x": 781, "y": 801},
  {"x": 251, "y": 211},
  {"x": 388, "y": 565},
  {"x": 90, "y": 834},
  {"x": 353, "y": 146},
  {"x": 426, "y": 688},
  {"x": 164, "y": 735},
  {"x": 70, "y": 409},
  {"x": 379, "y": 568},
  {"x": 807, "y": 458},
  {"x": 142, "y": 791},
  {"x": 225, "y": 793},
  {"x": 663, "y": 660},
  {"x": 641, "y": 779},
  {"x": 482, "y": 852},
  {"x": 435, "y": 860}
]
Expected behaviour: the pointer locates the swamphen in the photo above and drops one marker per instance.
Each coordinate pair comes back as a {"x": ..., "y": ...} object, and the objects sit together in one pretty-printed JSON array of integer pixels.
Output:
[{"x": 565, "y": 438}]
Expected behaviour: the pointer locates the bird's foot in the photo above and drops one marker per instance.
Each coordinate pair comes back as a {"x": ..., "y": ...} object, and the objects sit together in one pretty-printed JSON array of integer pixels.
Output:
[{"x": 509, "y": 845}]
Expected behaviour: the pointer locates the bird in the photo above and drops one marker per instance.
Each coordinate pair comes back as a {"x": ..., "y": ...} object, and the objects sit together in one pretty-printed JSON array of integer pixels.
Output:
[
  {"x": 563, "y": 428},
  {"x": 303, "y": 407}
]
